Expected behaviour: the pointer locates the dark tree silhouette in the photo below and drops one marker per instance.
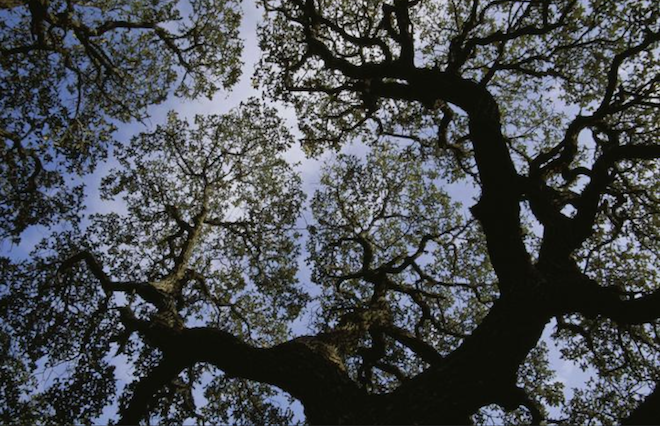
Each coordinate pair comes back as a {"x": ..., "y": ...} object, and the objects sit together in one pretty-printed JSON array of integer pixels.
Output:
[{"x": 419, "y": 311}]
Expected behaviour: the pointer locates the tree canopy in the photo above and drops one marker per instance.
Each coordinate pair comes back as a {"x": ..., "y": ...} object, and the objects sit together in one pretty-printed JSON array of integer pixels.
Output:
[
  {"x": 417, "y": 309},
  {"x": 72, "y": 71}
]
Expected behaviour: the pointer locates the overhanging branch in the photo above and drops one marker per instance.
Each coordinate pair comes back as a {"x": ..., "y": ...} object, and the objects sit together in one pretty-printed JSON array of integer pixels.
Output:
[
  {"x": 592, "y": 300},
  {"x": 147, "y": 388}
]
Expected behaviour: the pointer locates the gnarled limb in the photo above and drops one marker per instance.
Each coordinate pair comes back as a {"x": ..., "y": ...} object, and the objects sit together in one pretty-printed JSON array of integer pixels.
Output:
[
  {"x": 498, "y": 209},
  {"x": 147, "y": 389},
  {"x": 306, "y": 367},
  {"x": 148, "y": 292}
]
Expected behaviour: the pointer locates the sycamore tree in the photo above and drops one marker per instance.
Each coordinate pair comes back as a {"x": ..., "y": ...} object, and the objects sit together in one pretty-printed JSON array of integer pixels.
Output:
[{"x": 417, "y": 310}]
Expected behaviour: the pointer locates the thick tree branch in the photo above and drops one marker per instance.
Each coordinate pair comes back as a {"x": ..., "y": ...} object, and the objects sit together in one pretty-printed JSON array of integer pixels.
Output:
[
  {"x": 648, "y": 412},
  {"x": 306, "y": 367},
  {"x": 147, "y": 388},
  {"x": 592, "y": 300},
  {"x": 481, "y": 371},
  {"x": 517, "y": 397},
  {"x": 498, "y": 209}
]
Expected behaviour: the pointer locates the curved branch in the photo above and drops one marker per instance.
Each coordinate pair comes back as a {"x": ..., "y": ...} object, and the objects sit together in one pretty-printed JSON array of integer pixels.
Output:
[
  {"x": 517, "y": 397},
  {"x": 613, "y": 72},
  {"x": 498, "y": 209},
  {"x": 648, "y": 412},
  {"x": 427, "y": 352},
  {"x": 147, "y": 388},
  {"x": 144, "y": 290},
  {"x": 587, "y": 204},
  {"x": 306, "y": 367}
]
